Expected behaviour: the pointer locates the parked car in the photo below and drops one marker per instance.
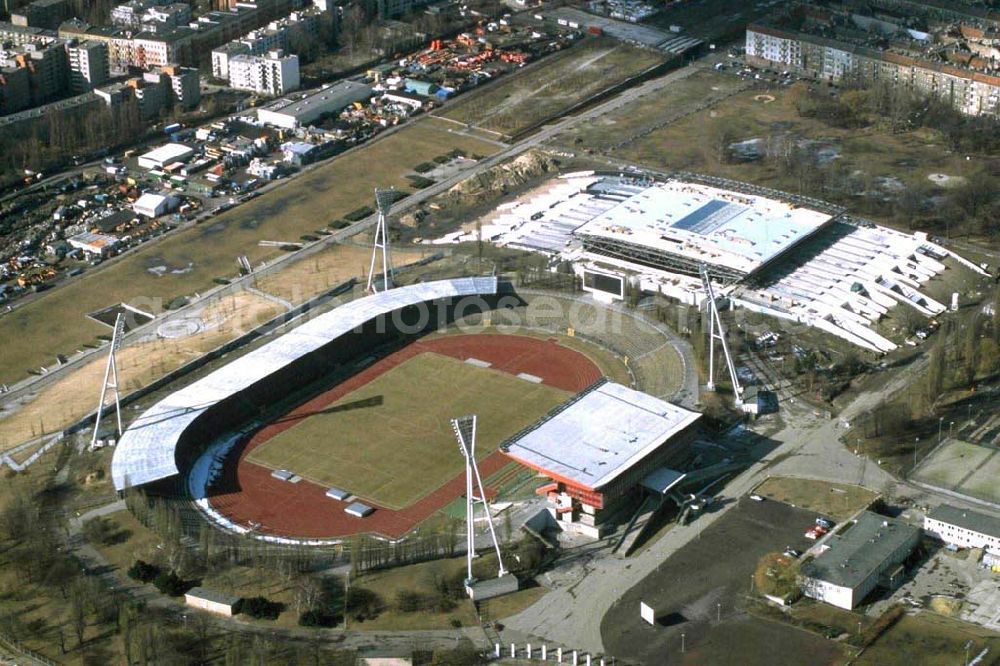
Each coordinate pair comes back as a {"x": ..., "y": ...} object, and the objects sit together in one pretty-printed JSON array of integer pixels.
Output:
[
  {"x": 791, "y": 552},
  {"x": 825, "y": 523},
  {"x": 814, "y": 533},
  {"x": 756, "y": 498}
]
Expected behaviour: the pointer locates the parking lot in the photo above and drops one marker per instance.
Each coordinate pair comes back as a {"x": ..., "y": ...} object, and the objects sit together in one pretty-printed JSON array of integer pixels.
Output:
[{"x": 700, "y": 593}]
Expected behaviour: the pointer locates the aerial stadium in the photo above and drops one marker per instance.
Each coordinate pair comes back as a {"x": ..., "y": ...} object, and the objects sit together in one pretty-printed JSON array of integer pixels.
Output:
[{"x": 341, "y": 426}]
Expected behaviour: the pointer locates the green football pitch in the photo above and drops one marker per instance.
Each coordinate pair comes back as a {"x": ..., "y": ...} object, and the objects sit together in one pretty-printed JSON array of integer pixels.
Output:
[{"x": 391, "y": 440}]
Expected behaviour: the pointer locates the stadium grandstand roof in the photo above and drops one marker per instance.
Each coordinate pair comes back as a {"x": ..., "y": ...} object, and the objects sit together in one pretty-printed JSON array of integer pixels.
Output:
[
  {"x": 601, "y": 434},
  {"x": 146, "y": 451},
  {"x": 695, "y": 223}
]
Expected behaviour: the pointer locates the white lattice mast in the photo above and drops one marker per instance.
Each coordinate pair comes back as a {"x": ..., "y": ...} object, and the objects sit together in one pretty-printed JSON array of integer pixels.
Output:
[
  {"x": 465, "y": 433},
  {"x": 110, "y": 381},
  {"x": 716, "y": 331},
  {"x": 383, "y": 201}
]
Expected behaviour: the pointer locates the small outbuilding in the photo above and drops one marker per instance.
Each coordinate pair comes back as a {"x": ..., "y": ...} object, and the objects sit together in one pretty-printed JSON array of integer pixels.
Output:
[
  {"x": 212, "y": 601},
  {"x": 359, "y": 510}
]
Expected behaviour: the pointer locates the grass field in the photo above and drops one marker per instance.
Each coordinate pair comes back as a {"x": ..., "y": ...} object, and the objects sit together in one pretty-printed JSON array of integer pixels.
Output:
[
  {"x": 983, "y": 483},
  {"x": 74, "y": 395},
  {"x": 420, "y": 578},
  {"x": 304, "y": 278},
  {"x": 55, "y": 323},
  {"x": 871, "y": 154},
  {"x": 630, "y": 122},
  {"x": 951, "y": 463},
  {"x": 837, "y": 500},
  {"x": 930, "y": 640},
  {"x": 392, "y": 444},
  {"x": 539, "y": 92},
  {"x": 965, "y": 468}
]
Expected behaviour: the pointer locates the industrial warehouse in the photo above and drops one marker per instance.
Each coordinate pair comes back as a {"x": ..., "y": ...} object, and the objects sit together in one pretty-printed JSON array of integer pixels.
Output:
[{"x": 785, "y": 256}]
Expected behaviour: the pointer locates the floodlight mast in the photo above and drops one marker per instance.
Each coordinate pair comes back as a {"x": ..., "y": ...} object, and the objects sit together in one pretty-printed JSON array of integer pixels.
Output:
[
  {"x": 465, "y": 433},
  {"x": 716, "y": 331},
  {"x": 384, "y": 199},
  {"x": 110, "y": 381}
]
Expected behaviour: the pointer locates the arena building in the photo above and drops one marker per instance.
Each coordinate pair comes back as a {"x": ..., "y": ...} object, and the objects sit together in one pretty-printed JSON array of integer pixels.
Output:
[
  {"x": 789, "y": 257},
  {"x": 599, "y": 448}
]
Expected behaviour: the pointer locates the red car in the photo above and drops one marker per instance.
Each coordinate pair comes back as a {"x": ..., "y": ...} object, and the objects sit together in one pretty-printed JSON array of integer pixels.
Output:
[{"x": 815, "y": 532}]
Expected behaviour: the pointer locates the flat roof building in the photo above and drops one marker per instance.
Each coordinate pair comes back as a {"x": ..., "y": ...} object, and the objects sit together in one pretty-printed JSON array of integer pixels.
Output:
[
  {"x": 154, "y": 205},
  {"x": 598, "y": 448},
  {"x": 679, "y": 225},
  {"x": 95, "y": 245},
  {"x": 856, "y": 561},
  {"x": 164, "y": 155},
  {"x": 964, "y": 528},
  {"x": 212, "y": 601},
  {"x": 301, "y": 110}
]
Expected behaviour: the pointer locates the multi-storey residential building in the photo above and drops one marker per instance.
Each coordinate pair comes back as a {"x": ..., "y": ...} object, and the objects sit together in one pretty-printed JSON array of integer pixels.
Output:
[
  {"x": 167, "y": 17},
  {"x": 121, "y": 51},
  {"x": 47, "y": 66},
  {"x": 21, "y": 34},
  {"x": 15, "y": 90},
  {"x": 89, "y": 65},
  {"x": 185, "y": 85},
  {"x": 273, "y": 74},
  {"x": 162, "y": 49},
  {"x": 971, "y": 91},
  {"x": 130, "y": 14},
  {"x": 151, "y": 93},
  {"x": 222, "y": 55},
  {"x": 46, "y": 14},
  {"x": 276, "y": 35}
]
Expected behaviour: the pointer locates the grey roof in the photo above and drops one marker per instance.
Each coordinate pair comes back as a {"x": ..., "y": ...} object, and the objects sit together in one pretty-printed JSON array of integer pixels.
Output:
[
  {"x": 305, "y": 107},
  {"x": 599, "y": 435},
  {"x": 970, "y": 520},
  {"x": 212, "y": 595},
  {"x": 855, "y": 555},
  {"x": 662, "y": 479},
  {"x": 145, "y": 452}
]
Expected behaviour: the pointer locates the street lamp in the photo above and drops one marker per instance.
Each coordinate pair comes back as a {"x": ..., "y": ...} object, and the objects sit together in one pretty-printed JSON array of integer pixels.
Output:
[
  {"x": 951, "y": 425},
  {"x": 916, "y": 443},
  {"x": 940, "y": 423},
  {"x": 682, "y": 642}
]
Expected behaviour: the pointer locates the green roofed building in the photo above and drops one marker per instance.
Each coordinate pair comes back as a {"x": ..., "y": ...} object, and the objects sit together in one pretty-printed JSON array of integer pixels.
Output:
[{"x": 868, "y": 554}]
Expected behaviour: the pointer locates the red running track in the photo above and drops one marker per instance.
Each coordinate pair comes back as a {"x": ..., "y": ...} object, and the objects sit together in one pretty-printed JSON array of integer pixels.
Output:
[{"x": 248, "y": 493}]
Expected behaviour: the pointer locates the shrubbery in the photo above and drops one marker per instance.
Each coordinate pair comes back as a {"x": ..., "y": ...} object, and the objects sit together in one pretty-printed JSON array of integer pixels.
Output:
[
  {"x": 260, "y": 608},
  {"x": 144, "y": 572}
]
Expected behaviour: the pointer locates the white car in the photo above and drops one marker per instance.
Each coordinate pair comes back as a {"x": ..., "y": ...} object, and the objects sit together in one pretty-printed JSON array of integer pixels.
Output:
[{"x": 756, "y": 498}]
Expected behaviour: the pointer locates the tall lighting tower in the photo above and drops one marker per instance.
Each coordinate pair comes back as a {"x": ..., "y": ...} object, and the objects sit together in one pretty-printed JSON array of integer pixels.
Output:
[
  {"x": 465, "y": 433},
  {"x": 384, "y": 199},
  {"x": 110, "y": 381},
  {"x": 716, "y": 331}
]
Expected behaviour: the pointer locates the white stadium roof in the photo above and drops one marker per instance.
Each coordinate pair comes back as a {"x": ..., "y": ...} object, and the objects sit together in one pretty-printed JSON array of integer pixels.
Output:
[
  {"x": 145, "y": 452},
  {"x": 600, "y": 435},
  {"x": 705, "y": 224}
]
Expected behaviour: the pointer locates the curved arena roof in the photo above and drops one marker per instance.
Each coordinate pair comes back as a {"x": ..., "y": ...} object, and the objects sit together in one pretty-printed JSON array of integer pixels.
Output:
[{"x": 145, "y": 452}]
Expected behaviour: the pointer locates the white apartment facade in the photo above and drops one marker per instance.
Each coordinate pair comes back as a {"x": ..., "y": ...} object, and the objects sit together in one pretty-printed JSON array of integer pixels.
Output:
[{"x": 274, "y": 74}]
